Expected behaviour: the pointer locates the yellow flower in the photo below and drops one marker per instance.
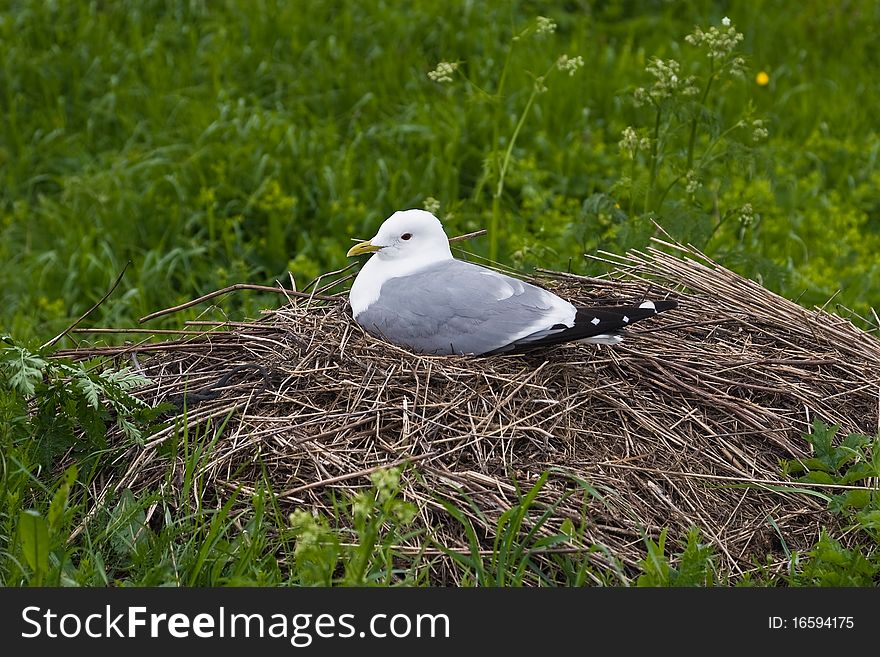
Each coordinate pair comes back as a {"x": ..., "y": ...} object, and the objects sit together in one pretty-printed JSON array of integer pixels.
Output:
[{"x": 762, "y": 78}]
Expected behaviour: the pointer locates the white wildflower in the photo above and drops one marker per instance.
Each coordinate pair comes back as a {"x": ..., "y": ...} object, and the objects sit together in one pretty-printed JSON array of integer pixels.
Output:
[
  {"x": 747, "y": 214},
  {"x": 692, "y": 182},
  {"x": 719, "y": 42},
  {"x": 666, "y": 81},
  {"x": 569, "y": 64},
  {"x": 629, "y": 142},
  {"x": 545, "y": 25},
  {"x": 443, "y": 72},
  {"x": 386, "y": 483},
  {"x": 725, "y": 21},
  {"x": 307, "y": 529},
  {"x": 759, "y": 132},
  {"x": 738, "y": 67},
  {"x": 431, "y": 204},
  {"x": 361, "y": 506}
]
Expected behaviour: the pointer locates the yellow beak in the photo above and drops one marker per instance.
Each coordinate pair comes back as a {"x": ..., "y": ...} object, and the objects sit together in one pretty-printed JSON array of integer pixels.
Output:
[{"x": 362, "y": 248}]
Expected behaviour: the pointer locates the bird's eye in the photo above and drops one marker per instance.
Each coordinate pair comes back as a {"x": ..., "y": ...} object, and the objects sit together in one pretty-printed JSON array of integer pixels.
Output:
[{"x": 406, "y": 236}]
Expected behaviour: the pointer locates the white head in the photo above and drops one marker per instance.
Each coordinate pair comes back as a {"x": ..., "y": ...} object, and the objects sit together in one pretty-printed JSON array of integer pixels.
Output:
[
  {"x": 408, "y": 234},
  {"x": 406, "y": 242}
]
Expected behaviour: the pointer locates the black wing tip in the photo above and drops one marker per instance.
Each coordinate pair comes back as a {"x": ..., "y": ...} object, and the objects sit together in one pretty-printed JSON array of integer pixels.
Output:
[
  {"x": 660, "y": 306},
  {"x": 592, "y": 322},
  {"x": 644, "y": 309},
  {"x": 607, "y": 319}
]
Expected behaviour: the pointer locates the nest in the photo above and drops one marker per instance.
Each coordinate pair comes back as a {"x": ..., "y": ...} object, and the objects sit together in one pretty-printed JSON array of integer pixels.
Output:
[{"x": 683, "y": 424}]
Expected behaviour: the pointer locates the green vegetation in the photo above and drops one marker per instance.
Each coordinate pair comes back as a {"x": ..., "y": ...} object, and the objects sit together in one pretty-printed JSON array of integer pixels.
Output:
[
  {"x": 213, "y": 143},
  {"x": 176, "y": 535},
  {"x": 855, "y": 461}
]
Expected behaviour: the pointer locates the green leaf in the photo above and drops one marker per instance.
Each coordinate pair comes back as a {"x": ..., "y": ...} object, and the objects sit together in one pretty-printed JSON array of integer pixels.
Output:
[
  {"x": 851, "y": 499},
  {"x": 474, "y": 560},
  {"x": 817, "y": 465},
  {"x": 854, "y": 441},
  {"x": 91, "y": 391},
  {"x": 33, "y": 531},
  {"x": 831, "y": 564},
  {"x": 23, "y": 369},
  {"x": 567, "y": 528},
  {"x": 858, "y": 472},
  {"x": 818, "y": 477},
  {"x": 870, "y": 519},
  {"x": 59, "y": 500},
  {"x": 125, "y": 378},
  {"x": 821, "y": 439},
  {"x": 551, "y": 541},
  {"x": 695, "y": 567},
  {"x": 126, "y": 524},
  {"x": 655, "y": 564}
]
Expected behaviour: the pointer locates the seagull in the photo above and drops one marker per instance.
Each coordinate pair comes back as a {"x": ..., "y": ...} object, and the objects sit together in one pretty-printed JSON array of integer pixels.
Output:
[{"x": 413, "y": 293}]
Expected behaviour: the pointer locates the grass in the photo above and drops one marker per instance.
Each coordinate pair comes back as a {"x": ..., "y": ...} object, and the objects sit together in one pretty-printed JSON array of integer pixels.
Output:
[{"x": 225, "y": 142}]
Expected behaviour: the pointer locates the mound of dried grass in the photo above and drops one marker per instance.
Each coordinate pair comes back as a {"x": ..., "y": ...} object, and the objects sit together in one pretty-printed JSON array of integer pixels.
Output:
[{"x": 683, "y": 424}]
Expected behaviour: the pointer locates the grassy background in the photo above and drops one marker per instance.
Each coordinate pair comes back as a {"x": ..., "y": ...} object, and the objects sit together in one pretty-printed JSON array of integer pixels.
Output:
[
  {"x": 223, "y": 142},
  {"x": 212, "y": 143}
]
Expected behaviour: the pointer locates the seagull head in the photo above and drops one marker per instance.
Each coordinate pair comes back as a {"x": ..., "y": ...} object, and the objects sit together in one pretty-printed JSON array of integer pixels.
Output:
[{"x": 407, "y": 234}]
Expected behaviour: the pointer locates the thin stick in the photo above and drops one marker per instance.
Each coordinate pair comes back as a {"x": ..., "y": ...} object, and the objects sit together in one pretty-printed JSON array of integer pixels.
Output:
[
  {"x": 90, "y": 310},
  {"x": 468, "y": 236},
  {"x": 233, "y": 288},
  {"x": 741, "y": 480},
  {"x": 137, "y": 330}
]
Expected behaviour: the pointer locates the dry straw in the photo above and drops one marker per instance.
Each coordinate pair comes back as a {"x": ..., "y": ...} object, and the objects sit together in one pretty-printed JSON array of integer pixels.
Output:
[{"x": 683, "y": 424}]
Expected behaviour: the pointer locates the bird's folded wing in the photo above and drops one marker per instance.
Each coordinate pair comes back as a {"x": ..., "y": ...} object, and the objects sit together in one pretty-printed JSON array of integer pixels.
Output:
[{"x": 458, "y": 307}]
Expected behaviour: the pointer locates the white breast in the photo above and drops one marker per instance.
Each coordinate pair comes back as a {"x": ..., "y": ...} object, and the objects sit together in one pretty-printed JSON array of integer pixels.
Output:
[
  {"x": 368, "y": 283},
  {"x": 365, "y": 289}
]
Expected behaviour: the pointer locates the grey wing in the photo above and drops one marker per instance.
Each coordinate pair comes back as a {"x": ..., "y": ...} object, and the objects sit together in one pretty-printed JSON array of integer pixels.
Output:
[{"x": 458, "y": 307}]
